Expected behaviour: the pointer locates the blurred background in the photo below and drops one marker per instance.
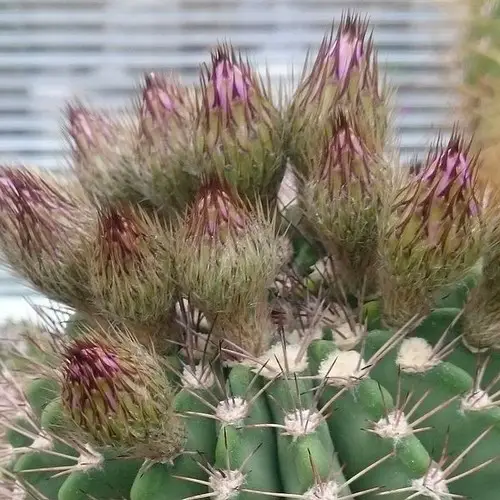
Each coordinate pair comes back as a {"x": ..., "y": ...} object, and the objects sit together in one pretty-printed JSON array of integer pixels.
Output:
[{"x": 52, "y": 51}]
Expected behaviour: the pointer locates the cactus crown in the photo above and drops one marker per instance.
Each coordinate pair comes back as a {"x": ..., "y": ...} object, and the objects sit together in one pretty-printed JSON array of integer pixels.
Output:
[{"x": 225, "y": 344}]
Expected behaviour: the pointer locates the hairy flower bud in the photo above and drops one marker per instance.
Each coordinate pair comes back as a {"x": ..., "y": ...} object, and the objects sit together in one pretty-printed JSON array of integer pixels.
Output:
[
  {"x": 217, "y": 214},
  {"x": 226, "y": 261},
  {"x": 130, "y": 271},
  {"x": 345, "y": 163},
  {"x": 230, "y": 90},
  {"x": 40, "y": 228},
  {"x": 440, "y": 202},
  {"x": 89, "y": 131},
  {"x": 344, "y": 77},
  {"x": 117, "y": 394},
  {"x": 239, "y": 126},
  {"x": 165, "y": 109},
  {"x": 341, "y": 202},
  {"x": 105, "y": 156},
  {"x": 345, "y": 63},
  {"x": 434, "y": 233}
]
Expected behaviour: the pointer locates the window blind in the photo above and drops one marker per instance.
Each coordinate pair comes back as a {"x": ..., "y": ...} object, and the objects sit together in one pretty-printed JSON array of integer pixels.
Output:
[{"x": 51, "y": 51}]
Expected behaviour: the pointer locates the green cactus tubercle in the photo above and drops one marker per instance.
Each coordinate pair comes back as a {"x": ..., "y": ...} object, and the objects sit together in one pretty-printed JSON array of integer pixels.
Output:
[{"x": 225, "y": 344}]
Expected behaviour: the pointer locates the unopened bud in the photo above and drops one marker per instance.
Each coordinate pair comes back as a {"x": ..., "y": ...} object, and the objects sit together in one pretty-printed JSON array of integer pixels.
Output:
[{"x": 116, "y": 394}]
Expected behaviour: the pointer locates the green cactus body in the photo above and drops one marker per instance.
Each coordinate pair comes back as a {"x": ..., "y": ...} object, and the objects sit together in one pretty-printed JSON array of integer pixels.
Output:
[
  {"x": 161, "y": 481},
  {"x": 215, "y": 352},
  {"x": 47, "y": 456},
  {"x": 447, "y": 403},
  {"x": 241, "y": 447},
  {"x": 109, "y": 480}
]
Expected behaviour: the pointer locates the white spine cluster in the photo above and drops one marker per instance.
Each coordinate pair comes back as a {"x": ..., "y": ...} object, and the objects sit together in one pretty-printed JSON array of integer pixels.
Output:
[
  {"x": 432, "y": 485},
  {"x": 476, "y": 401},
  {"x": 394, "y": 426},
  {"x": 232, "y": 411},
  {"x": 323, "y": 491},
  {"x": 278, "y": 358},
  {"x": 226, "y": 484},
  {"x": 198, "y": 377},
  {"x": 416, "y": 355},
  {"x": 302, "y": 422},
  {"x": 343, "y": 368}
]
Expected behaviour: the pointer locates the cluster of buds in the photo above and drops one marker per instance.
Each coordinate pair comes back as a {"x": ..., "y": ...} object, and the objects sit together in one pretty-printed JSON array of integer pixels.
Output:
[
  {"x": 130, "y": 271},
  {"x": 40, "y": 227},
  {"x": 434, "y": 233},
  {"x": 239, "y": 127},
  {"x": 344, "y": 77},
  {"x": 116, "y": 394}
]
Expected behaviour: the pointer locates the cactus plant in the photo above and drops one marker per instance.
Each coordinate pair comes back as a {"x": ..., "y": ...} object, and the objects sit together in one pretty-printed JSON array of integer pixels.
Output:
[{"x": 225, "y": 344}]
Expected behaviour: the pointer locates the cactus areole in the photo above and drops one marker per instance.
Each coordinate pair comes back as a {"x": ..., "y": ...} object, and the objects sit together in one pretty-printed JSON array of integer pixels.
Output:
[{"x": 264, "y": 305}]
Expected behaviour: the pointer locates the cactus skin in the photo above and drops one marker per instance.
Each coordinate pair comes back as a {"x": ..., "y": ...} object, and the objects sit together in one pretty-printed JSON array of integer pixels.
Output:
[{"x": 216, "y": 353}]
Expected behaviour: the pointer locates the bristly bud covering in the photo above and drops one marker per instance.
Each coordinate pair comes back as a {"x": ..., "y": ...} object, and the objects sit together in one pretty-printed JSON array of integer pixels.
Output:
[
  {"x": 104, "y": 156},
  {"x": 217, "y": 214},
  {"x": 239, "y": 128},
  {"x": 130, "y": 270},
  {"x": 345, "y": 163},
  {"x": 344, "y": 77},
  {"x": 165, "y": 109},
  {"x": 89, "y": 131},
  {"x": 169, "y": 175},
  {"x": 341, "y": 60},
  {"x": 434, "y": 234},
  {"x": 340, "y": 199},
  {"x": 117, "y": 395},
  {"x": 226, "y": 261},
  {"x": 40, "y": 229}
]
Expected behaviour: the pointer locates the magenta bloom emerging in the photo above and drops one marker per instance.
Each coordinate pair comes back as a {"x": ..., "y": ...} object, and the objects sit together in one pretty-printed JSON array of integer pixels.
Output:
[
  {"x": 119, "y": 239},
  {"x": 230, "y": 80},
  {"x": 349, "y": 48},
  {"x": 339, "y": 59},
  {"x": 164, "y": 104},
  {"x": 345, "y": 160},
  {"x": 450, "y": 175},
  {"x": 88, "y": 130},
  {"x": 440, "y": 202},
  {"x": 231, "y": 101},
  {"x": 216, "y": 215},
  {"x": 90, "y": 371}
]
